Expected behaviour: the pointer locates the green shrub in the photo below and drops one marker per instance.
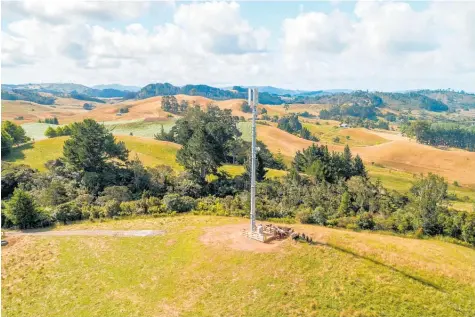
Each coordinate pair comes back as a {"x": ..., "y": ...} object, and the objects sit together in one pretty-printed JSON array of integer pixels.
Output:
[
  {"x": 320, "y": 216},
  {"x": 304, "y": 216},
  {"x": 175, "y": 202},
  {"x": 365, "y": 221},
  {"x": 94, "y": 212},
  {"x": 112, "y": 208},
  {"x": 468, "y": 229},
  {"x": 128, "y": 208},
  {"x": 21, "y": 210},
  {"x": 404, "y": 221},
  {"x": 67, "y": 212}
]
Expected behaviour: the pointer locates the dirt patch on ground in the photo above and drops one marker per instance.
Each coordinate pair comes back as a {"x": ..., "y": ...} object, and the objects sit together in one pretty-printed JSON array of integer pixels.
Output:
[
  {"x": 231, "y": 236},
  {"x": 111, "y": 233}
]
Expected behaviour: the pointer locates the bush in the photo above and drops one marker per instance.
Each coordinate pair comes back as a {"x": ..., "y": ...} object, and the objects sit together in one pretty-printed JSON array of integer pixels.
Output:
[
  {"x": 118, "y": 193},
  {"x": 304, "y": 216},
  {"x": 175, "y": 202},
  {"x": 320, "y": 216},
  {"x": 21, "y": 210},
  {"x": 365, "y": 221},
  {"x": 404, "y": 221},
  {"x": 468, "y": 229},
  {"x": 112, "y": 208},
  {"x": 93, "y": 212},
  {"x": 67, "y": 212},
  {"x": 128, "y": 208}
]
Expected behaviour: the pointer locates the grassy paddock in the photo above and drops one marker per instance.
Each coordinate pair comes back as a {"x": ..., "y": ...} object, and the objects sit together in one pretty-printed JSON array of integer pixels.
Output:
[{"x": 344, "y": 274}]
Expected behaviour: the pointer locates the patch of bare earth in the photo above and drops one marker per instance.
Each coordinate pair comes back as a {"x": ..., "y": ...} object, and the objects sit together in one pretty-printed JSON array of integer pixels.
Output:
[{"x": 232, "y": 237}]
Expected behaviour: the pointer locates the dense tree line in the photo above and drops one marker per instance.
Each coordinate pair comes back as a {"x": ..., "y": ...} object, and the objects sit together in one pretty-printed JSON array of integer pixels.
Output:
[
  {"x": 337, "y": 112},
  {"x": 441, "y": 134},
  {"x": 164, "y": 89},
  {"x": 171, "y": 104},
  {"x": 292, "y": 124},
  {"x": 53, "y": 120},
  {"x": 416, "y": 99},
  {"x": 95, "y": 178},
  {"x": 316, "y": 161},
  {"x": 81, "y": 96},
  {"x": 12, "y": 134},
  {"x": 51, "y": 132},
  {"x": 363, "y": 98},
  {"x": 28, "y": 95}
]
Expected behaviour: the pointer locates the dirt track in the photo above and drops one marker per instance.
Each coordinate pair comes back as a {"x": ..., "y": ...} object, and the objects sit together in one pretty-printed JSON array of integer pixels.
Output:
[{"x": 111, "y": 233}]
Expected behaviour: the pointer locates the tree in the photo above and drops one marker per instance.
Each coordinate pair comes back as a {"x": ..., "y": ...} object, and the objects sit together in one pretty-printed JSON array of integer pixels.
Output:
[
  {"x": 92, "y": 147},
  {"x": 428, "y": 194},
  {"x": 7, "y": 143},
  {"x": 358, "y": 167},
  {"x": 15, "y": 131},
  {"x": 13, "y": 175},
  {"x": 50, "y": 132},
  {"x": 198, "y": 156},
  {"x": 290, "y": 123},
  {"x": 344, "y": 208},
  {"x": 21, "y": 210},
  {"x": 207, "y": 139},
  {"x": 286, "y": 107},
  {"x": 245, "y": 107},
  {"x": 260, "y": 168}
]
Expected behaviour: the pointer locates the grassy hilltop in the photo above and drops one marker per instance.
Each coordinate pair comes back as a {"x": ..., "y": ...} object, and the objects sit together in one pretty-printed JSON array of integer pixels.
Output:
[{"x": 181, "y": 274}]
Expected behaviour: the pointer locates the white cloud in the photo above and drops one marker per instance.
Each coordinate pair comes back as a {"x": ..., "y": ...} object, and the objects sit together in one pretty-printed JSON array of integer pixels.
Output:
[
  {"x": 62, "y": 11},
  {"x": 381, "y": 45},
  {"x": 384, "y": 45}
]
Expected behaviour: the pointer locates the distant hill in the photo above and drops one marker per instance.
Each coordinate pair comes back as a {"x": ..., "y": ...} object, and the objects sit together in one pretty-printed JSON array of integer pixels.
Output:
[
  {"x": 396, "y": 100},
  {"x": 72, "y": 90},
  {"x": 117, "y": 87},
  {"x": 453, "y": 99},
  {"x": 27, "y": 95},
  {"x": 162, "y": 89}
]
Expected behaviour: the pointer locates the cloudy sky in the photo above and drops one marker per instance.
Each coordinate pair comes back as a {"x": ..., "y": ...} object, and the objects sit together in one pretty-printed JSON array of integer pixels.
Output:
[{"x": 301, "y": 45}]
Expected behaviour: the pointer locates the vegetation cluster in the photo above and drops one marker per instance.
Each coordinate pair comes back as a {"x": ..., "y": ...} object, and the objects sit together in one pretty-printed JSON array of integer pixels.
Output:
[{"x": 95, "y": 179}]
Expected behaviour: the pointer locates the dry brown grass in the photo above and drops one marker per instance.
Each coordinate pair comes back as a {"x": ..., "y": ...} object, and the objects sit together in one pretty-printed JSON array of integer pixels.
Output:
[{"x": 419, "y": 158}]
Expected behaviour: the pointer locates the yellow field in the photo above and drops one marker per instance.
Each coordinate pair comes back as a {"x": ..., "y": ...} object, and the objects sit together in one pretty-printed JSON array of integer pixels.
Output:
[
  {"x": 351, "y": 136},
  {"x": 386, "y": 148},
  {"x": 149, "y": 151}
]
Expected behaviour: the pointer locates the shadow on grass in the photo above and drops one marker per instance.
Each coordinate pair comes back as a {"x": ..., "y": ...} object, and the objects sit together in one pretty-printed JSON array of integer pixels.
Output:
[
  {"x": 17, "y": 152},
  {"x": 374, "y": 261}
]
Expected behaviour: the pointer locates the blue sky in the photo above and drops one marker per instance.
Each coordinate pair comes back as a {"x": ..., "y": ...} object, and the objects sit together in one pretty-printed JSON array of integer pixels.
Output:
[{"x": 301, "y": 45}]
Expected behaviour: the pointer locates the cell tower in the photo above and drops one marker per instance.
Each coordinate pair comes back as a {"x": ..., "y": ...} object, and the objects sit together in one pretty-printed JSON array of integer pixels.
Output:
[{"x": 253, "y": 100}]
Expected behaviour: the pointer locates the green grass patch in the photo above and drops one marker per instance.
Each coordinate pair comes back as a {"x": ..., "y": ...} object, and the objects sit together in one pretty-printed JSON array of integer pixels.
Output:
[
  {"x": 150, "y": 152},
  {"x": 140, "y": 128},
  {"x": 345, "y": 274}
]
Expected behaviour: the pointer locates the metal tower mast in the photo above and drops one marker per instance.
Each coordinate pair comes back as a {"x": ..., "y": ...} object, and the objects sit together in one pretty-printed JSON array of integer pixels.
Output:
[{"x": 253, "y": 100}]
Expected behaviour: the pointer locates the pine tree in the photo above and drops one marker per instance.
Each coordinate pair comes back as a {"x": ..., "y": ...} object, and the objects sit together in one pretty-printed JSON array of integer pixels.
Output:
[
  {"x": 7, "y": 143},
  {"x": 50, "y": 132},
  {"x": 358, "y": 167},
  {"x": 344, "y": 208},
  {"x": 21, "y": 209},
  {"x": 260, "y": 167},
  {"x": 347, "y": 162},
  {"x": 92, "y": 147}
]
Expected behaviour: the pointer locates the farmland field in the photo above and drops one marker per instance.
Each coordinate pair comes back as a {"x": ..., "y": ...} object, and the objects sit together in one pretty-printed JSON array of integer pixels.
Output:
[{"x": 183, "y": 273}]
